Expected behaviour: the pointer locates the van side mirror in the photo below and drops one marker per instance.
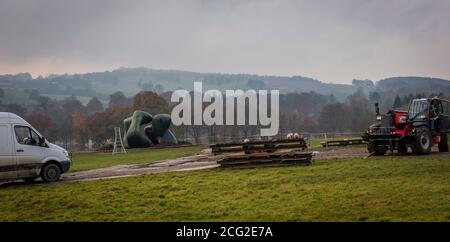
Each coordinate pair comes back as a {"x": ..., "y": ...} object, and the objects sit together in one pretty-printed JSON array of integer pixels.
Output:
[
  {"x": 377, "y": 109},
  {"x": 42, "y": 140}
]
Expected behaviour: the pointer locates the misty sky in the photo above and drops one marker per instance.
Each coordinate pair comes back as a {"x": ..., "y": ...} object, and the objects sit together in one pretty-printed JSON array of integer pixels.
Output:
[{"x": 333, "y": 41}]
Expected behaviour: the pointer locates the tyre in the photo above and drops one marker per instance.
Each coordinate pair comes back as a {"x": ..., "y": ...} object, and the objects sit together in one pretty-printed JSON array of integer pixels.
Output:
[
  {"x": 422, "y": 141},
  {"x": 376, "y": 150},
  {"x": 29, "y": 179},
  {"x": 402, "y": 148},
  {"x": 443, "y": 145},
  {"x": 50, "y": 172}
]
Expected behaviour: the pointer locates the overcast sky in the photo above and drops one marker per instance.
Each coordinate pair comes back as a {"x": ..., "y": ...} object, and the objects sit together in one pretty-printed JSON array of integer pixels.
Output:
[{"x": 333, "y": 41}]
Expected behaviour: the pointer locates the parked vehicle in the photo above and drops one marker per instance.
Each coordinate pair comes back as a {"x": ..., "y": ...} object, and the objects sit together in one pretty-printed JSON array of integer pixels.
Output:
[
  {"x": 26, "y": 154},
  {"x": 425, "y": 123}
]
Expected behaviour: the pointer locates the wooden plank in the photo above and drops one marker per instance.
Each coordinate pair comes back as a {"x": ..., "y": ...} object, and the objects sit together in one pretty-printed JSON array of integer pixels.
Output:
[
  {"x": 258, "y": 142},
  {"x": 266, "y": 159},
  {"x": 258, "y": 146},
  {"x": 342, "y": 142}
]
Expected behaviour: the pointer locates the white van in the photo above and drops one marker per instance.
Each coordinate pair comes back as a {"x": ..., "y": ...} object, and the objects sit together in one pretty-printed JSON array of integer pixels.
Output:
[{"x": 25, "y": 154}]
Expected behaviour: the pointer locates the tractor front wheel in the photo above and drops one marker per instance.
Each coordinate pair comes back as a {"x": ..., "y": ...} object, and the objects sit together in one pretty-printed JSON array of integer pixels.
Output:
[
  {"x": 422, "y": 141},
  {"x": 402, "y": 148},
  {"x": 443, "y": 145},
  {"x": 376, "y": 150}
]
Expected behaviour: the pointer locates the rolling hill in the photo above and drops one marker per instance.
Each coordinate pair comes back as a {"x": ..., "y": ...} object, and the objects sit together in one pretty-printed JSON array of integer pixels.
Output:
[{"x": 132, "y": 80}]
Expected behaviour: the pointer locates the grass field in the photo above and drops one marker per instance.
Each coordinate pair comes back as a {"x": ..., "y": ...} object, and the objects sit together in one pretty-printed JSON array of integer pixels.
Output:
[
  {"x": 16, "y": 96},
  {"x": 88, "y": 161},
  {"x": 376, "y": 189}
]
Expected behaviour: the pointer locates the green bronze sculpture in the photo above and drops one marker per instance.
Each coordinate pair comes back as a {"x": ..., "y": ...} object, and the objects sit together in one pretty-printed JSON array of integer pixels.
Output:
[{"x": 144, "y": 130}]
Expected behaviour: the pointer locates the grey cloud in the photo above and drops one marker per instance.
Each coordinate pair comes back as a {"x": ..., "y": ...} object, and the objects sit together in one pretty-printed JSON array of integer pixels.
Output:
[{"x": 334, "y": 41}]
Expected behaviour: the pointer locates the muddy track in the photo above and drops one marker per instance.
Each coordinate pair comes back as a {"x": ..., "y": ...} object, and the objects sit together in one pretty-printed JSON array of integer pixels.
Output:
[{"x": 190, "y": 163}]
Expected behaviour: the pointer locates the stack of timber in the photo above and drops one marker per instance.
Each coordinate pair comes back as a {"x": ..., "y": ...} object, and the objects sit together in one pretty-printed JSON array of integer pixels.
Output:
[
  {"x": 343, "y": 142},
  {"x": 263, "y": 153},
  {"x": 258, "y": 146}
]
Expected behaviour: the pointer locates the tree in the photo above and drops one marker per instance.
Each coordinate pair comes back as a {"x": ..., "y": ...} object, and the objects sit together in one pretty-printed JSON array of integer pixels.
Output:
[
  {"x": 374, "y": 97},
  {"x": 147, "y": 86},
  {"x": 397, "y": 102},
  {"x": 101, "y": 125},
  {"x": 16, "y": 109},
  {"x": 94, "y": 106},
  {"x": 44, "y": 124},
  {"x": 308, "y": 124},
  {"x": 332, "y": 98},
  {"x": 150, "y": 102},
  {"x": 334, "y": 117},
  {"x": 361, "y": 112},
  {"x": 34, "y": 94},
  {"x": 71, "y": 104},
  {"x": 80, "y": 127},
  {"x": 118, "y": 99}
]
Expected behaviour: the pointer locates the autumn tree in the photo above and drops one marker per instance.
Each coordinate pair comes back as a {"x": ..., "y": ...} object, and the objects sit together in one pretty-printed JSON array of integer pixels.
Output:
[
  {"x": 150, "y": 102},
  {"x": 94, "y": 106},
  {"x": 43, "y": 124},
  {"x": 80, "y": 127},
  {"x": 101, "y": 125}
]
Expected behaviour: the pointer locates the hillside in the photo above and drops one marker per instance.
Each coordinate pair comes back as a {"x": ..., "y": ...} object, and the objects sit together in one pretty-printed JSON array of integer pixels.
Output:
[
  {"x": 132, "y": 80},
  {"x": 406, "y": 85}
]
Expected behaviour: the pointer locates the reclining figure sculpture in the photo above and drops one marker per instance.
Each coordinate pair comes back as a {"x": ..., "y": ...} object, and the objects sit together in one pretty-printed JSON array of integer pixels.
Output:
[{"x": 144, "y": 130}]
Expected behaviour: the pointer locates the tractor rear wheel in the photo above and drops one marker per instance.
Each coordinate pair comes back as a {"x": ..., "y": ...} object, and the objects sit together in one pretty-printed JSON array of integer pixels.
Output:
[
  {"x": 422, "y": 141},
  {"x": 443, "y": 144}
]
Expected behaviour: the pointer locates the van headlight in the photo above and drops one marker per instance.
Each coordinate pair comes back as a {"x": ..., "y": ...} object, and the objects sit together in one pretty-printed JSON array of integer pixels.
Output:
[{"x": 66, "y": 154}]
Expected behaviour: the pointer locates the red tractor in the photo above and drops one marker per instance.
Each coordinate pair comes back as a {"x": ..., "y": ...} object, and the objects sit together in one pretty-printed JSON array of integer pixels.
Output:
[{"x": 426, "y": 123}]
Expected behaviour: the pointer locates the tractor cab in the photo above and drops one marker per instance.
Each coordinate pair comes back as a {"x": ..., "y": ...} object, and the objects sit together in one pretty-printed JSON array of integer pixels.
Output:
[
  {"x": 433, "y": 113},
  {"x": 425, "y": 123}
]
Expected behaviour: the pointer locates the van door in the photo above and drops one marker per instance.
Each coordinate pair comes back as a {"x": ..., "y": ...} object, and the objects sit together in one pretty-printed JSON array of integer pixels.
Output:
[
  {"x": 29, "y": 153},
  {"x": 8, "y": 160}
]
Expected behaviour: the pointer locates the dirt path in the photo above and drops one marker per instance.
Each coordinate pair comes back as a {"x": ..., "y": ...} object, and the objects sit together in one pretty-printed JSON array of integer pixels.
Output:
[{"x": 190, "y": 163}]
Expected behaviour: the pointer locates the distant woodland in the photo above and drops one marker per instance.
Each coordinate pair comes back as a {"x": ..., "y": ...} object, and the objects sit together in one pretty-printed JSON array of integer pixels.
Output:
[{"x": 82, "y": 109}]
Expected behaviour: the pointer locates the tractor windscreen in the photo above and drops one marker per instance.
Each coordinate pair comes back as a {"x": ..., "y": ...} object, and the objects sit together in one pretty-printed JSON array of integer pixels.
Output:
[{"x": 418, "y": 109}]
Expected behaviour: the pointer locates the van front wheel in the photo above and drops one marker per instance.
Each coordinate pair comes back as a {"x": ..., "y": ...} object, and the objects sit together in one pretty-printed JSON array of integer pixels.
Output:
[{"x": 50, "y": 172}]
